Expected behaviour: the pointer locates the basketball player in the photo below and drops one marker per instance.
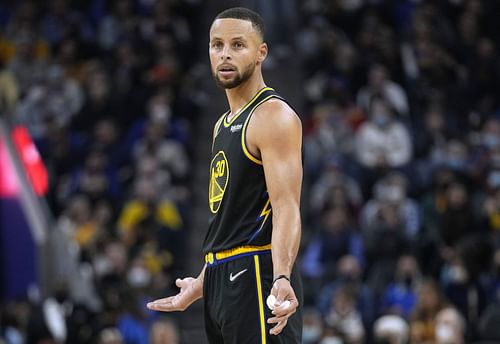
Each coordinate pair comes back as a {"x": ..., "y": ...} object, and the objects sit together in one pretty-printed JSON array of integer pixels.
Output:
[{"x": 254, "y": 192}]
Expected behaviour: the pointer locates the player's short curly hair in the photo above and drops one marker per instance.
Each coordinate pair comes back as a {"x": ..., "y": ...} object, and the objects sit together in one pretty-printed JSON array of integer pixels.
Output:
[{"x": 244, "y": 14}]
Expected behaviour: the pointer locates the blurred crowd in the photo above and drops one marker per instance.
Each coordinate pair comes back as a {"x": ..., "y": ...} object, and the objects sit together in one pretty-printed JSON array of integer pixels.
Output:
[
  {"x": 109, "y": 92},
  {"x": 401, "y": 203},
  {"x": 402, "y": 159}
]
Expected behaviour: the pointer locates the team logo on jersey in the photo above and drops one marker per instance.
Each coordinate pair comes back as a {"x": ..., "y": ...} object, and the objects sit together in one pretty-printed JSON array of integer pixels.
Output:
[{"x": 219, "y": 177}]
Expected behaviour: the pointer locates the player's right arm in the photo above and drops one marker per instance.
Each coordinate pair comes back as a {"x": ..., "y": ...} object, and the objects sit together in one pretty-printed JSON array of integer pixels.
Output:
[{"x": 191, "y": 290}]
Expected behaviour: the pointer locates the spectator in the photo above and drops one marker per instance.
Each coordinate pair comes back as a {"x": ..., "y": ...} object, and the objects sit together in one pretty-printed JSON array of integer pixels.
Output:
[
  {"x": 110, "y": 336},
  {"x": 423, "y": 319},
  {"x": 26, "y": 66},
  {"x": 335, "y": 187},
  {"x": 431, "y": 143},
  {"x": 337, "y": 238},
  {"x": 385, "y": 241},
  {"x": 349, "y": 276},
  {"x": 344, "y": 317},
  {"x": 457, "y": 219},
  {"x": 132, "y": 322},
  {"x": 383, "y": 141},
  {"x": 55, "y": 99},
  {"x": 379, "y": 84},
  {"x": 96, "y": 179},
  {"x": 332, "y": 135},
  {"x": 121, "y": 23},
  {"x": 164, "y": 331},
  {"x": 391, "y": 329},
  {"x": 313, "y": 326},
  {"x": 401, "y": 295},
  {"x": 450, "y": 327},
  {"x": 99, "y": 102},
  {"x": 392, "y": 191}
]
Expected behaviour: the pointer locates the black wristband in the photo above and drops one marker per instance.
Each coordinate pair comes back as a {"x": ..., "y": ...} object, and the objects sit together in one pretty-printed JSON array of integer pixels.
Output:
[{"x": 280, "y": 277}]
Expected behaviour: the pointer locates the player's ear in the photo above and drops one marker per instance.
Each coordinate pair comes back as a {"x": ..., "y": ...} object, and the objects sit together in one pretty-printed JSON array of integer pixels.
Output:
[{"x": 262, "y": 52}]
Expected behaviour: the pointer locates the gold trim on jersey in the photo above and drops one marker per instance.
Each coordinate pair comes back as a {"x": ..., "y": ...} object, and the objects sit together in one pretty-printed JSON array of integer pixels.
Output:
[
  {"x": 219, "y": 178},
  {"x": 211, "y": 257},
  {"x": 217, "y": 127},
  {"x": 262, "y": 318},
  {"x": 227, "y": 124},
  {"x": 244, "y": 131}
]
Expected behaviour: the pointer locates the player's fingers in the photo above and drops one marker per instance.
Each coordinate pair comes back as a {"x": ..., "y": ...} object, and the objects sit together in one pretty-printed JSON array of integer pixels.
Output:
[
  {"x": 160, "y": 301},
  {"x": 179, "y": 282},
  {"x": 275, "y": 320},
  {"x": 281, "y": 316},
  {"x": 288, "y": 310},
  {"x": 161, "y": 304},
  {"x": 285, "y": 312},
  {"x": 278, "y": 328}
]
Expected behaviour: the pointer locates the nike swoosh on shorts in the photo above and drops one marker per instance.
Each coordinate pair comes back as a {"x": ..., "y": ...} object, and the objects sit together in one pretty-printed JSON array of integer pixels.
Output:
[{"x": 233, "y": 277}]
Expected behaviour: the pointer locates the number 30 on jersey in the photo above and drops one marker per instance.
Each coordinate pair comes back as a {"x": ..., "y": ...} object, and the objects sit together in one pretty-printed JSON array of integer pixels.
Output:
[{"x": 219, "y": 177}]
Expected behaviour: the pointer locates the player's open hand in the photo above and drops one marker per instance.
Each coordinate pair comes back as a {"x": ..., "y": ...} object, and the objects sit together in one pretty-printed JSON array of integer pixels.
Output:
[
  {"x": 285, "y": 305},
  {"x": 191, "y": 290}
]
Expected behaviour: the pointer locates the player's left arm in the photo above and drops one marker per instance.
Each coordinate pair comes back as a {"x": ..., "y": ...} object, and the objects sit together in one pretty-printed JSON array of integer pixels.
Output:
[{"x": 277, "y": 131}]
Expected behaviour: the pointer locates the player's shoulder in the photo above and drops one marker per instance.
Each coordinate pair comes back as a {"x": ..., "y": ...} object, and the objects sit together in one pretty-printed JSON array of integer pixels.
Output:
[{"x": 276, "y": 111}]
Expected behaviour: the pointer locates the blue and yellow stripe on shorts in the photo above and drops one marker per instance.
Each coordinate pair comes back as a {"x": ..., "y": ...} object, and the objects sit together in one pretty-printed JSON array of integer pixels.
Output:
[
  {"x": 260, "y": 299},
  {"x": 214, "y": 258}
]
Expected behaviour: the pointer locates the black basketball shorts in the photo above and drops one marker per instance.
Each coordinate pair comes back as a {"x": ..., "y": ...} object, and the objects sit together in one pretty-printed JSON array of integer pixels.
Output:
[{"x": 235, "y": 291}]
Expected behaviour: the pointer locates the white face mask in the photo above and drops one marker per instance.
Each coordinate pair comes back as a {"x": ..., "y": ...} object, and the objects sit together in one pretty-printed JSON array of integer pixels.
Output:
[
  {"x": 310, "y": 334},
  {"x": 331, "y": 340},
  {"x": 138, "y": 277},
  {"x": 445, "y": 334}
]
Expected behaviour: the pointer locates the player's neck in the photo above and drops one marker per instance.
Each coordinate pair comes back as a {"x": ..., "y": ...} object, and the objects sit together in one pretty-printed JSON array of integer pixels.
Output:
[{"x": 239, "y": 96}]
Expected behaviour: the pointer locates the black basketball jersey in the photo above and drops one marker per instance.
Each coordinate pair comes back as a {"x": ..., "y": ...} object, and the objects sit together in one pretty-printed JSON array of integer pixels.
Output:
[{"x": 240, "y": 209}]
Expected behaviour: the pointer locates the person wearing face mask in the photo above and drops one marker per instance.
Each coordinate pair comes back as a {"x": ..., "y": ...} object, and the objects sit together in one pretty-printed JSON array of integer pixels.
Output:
[
  {"x": 490, "y": 135},
  {"x": 401, "y": 295},
  {"x": 450, "y": 327},
  {"x": 345, "y": 318},
  {"x": 349, "y": 276},
  {"x": 331, "y": 335},
  {"x": 313, "y": 326},
  {"x": 423, "y": 319},
  {"x": 337, "y": 237},
  {"x": 391, "y": 329},
  {"x": 379, "y": 82},
  {"x": 382, "y": 141}
]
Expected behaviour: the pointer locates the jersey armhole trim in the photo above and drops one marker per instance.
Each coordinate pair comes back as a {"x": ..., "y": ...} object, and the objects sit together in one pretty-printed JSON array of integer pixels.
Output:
[{"x": 244, "y": 146}]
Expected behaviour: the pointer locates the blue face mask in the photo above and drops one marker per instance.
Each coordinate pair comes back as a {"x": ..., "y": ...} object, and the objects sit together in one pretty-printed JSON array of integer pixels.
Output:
[
  {"x": 456, "y": 163},
  {"x": 380, "y": 120},
  {"x": 491, "y": 141},
  {"x": 494, "y": 179},
  {"x": 310, "y": 335}
]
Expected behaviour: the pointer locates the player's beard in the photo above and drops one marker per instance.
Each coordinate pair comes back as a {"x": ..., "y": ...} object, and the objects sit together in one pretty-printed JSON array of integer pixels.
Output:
[{"x": 237, "y": 80}]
